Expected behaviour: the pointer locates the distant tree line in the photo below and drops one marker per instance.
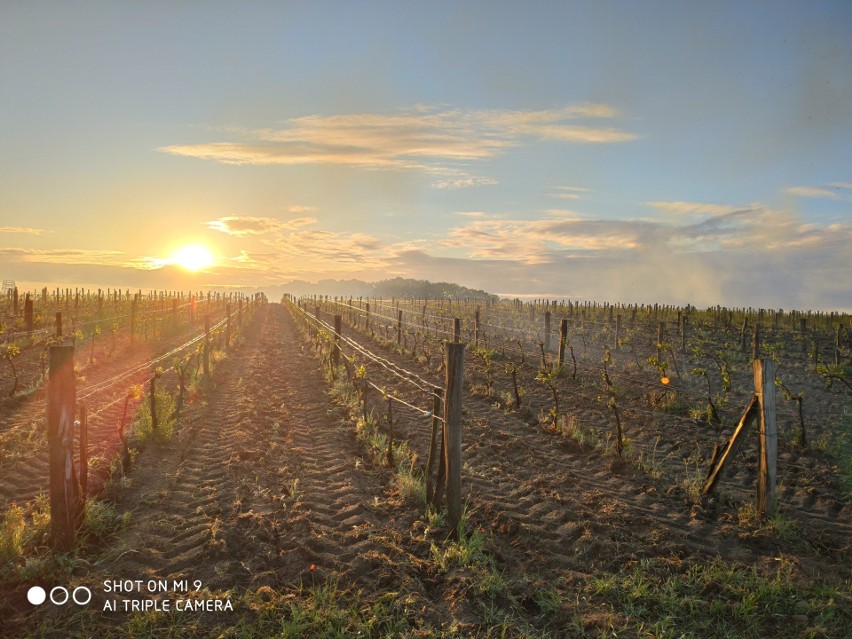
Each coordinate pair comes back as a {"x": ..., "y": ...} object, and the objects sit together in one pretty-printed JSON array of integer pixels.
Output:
[{"x": 396, "y": 287}]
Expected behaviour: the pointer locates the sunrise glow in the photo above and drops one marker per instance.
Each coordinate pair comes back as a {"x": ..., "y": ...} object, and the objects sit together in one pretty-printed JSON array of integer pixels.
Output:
[{"x": 193, "y": 257}]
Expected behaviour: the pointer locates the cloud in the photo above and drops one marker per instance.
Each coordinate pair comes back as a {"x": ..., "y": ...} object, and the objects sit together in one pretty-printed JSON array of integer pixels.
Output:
[
  {"x": 303, "y": 209},
  {"x": 813, "y": 191},
  {"x": 692, "y": 207},
  {"x": 464, "y": 182},
  {"x": 243, "y": 225},
  {"x": 65, "y": 256},
  {"x": 424, "y": 138},
  {"x": 25, "y": 230},
  {"x": 831, "y": 191},
  {"x": 566, "y": 196}
]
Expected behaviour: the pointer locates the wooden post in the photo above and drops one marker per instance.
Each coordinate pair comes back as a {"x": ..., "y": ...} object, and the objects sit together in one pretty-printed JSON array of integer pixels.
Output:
[
  {"x": 390, "y": 433},
  {"x": 453, "y": 430},
  {"x": 764, "y": 388},
  {"x": 755, "y": 342},
  {"x": 155, "y": 424},
  {"x": 84, "y": 451},
  {"x": 399, "y": 327},
  {"x": 476, "y": 327},
  {"x": 206, "y": 358},
  {"x": 335, "y": 354},
  {"x": 563, "y": 339},
  {"x": 227, "y": 326},
  {"x": 456, "y": 330},
  {"x": 433, "y": 445},
  {"x": 28, "y": 314},
  {"x": 65, "y": 506},
  {"x": 547, "y": 332},
  {"x": 15, "y": 302},
  {"x": 58, "y": 324},
  {"x": 367, "y": 321}
]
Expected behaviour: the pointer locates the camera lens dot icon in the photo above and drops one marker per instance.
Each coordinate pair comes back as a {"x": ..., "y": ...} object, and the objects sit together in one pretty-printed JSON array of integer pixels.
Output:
[{"x": 36, "y": 595}]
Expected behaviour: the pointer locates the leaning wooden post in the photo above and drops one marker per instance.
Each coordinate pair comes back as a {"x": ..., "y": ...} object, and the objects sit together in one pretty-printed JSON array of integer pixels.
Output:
[
  {"x": 58, "y": 324},
  {"x": 764, "y": 388},
  {"x": 563, "y": 339},
  {"x": 84, "y": 451},
  {"x": 453, "y": 431},
  {"x": 335, "y": 354},
  {"x": 65, "y": 507}
]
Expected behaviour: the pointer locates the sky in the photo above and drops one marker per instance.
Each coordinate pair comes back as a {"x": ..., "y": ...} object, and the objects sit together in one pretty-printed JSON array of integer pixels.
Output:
[{"x": 639, "y": 152}]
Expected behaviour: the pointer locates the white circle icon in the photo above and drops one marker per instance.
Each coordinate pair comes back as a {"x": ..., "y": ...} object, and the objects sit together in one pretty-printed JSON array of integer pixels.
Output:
[
  {"x": 36, "y": 595},
  {"x": 86, "y": 593},
  {"x": 61, "y": 590}
]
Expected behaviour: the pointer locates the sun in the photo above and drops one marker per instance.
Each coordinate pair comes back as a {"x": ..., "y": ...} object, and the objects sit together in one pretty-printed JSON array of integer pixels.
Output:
[{"x": 193, "y": 257}]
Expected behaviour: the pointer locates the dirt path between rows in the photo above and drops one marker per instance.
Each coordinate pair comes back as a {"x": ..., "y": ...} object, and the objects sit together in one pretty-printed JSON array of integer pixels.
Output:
[{"x": 263, "y": 488}]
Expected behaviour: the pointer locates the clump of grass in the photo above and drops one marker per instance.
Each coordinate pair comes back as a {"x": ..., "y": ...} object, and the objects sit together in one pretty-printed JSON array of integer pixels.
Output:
[
  {"x": 24, "y": 532},
  {"x": 717, "y": 599},
  {"x": 571, "y": 427},
  {"x": 468, "y": 549},
  {"x": 143, "y": 430},
  {"x": 101, "y": 522},
  {"x": 776, "y": 525},
  {"x": 548, "y": 600},
  {"x": 26, "y": 555},
  {"x": 411, "y": 484}
]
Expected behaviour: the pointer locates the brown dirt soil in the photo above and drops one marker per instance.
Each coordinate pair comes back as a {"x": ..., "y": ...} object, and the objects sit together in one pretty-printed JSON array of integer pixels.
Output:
[
  {"x": 23, "y": 444},
  {"x": 267, "y": 486}
]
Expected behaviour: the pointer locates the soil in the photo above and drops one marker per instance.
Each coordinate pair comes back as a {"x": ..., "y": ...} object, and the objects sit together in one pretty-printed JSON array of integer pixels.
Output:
[{"x": 267, "y": 486}]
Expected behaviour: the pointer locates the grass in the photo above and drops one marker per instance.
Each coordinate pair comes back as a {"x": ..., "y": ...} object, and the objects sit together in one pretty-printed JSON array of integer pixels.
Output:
[
  {"x": 25, "y": 551},
  {"x": 408, "y": 480},
  {"x": 776, "y": 525},
  {"x": 143, "y": 430},
  {"x": 716, "y": 599},
  {"x": 467, "y": 550}
]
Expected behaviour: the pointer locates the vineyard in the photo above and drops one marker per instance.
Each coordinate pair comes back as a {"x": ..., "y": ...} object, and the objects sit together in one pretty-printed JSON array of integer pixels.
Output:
[{"x": 429, "y": 468}]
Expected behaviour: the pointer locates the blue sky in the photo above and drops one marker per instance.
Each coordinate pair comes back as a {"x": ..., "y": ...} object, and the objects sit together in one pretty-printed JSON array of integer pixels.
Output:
[{"x": 631, "y": 151}]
